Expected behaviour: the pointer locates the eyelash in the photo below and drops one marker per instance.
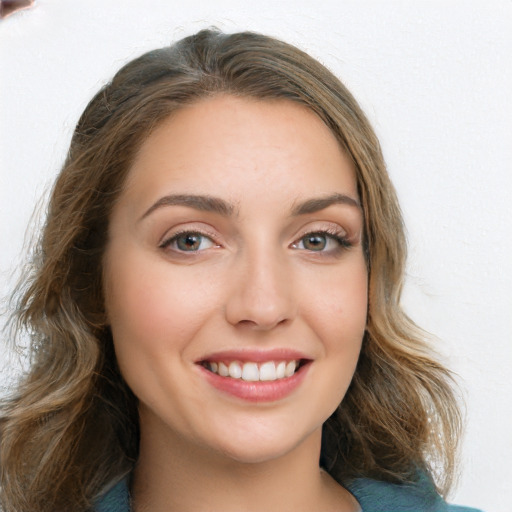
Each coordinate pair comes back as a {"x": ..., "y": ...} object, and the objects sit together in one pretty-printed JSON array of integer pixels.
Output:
[
  {"x": 330, "y": 234},
  {"x": 169, "y": 241},
  {"x": 342, "y": 241}
]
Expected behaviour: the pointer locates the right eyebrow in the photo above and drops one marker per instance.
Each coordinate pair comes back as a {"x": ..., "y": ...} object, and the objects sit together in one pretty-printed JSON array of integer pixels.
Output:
[{"x": 199, "y": 202}]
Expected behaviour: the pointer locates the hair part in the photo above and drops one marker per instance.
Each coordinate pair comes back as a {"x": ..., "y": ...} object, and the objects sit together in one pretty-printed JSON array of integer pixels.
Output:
[{"x": 72, "y": 425}]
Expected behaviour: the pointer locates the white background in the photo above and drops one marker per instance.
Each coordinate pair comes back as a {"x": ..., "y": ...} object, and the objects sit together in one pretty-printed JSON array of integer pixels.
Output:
[{"x": 435, "y": 79}]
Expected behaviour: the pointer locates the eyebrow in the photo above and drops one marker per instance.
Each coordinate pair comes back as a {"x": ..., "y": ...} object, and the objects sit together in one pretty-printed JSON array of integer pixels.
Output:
[
  {"x": 320, "y": 203},
  {"x": 216, "y": 205},
  {"x": 198, "y": 202}
]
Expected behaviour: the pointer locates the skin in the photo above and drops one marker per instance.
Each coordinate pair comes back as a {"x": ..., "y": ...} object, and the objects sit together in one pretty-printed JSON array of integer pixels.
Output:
[{"x": 254, "y": 281}]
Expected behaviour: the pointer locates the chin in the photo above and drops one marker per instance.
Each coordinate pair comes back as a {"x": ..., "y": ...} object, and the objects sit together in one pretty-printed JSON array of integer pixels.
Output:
[
  {"x": 258, "y": 453},
  {"x": 258, "y": 447}
]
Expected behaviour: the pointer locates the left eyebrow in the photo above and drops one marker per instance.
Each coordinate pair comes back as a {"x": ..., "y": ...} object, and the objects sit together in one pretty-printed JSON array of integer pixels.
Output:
[{"x": 320, "y": 203}]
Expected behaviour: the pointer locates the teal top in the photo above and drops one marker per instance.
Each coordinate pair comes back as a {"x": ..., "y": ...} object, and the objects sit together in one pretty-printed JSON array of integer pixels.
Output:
[{"x": 372, "y": 495}]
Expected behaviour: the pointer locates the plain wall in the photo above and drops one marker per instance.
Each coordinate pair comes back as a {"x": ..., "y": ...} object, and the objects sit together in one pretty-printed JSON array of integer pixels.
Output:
[{"x": 434, "y": 77}]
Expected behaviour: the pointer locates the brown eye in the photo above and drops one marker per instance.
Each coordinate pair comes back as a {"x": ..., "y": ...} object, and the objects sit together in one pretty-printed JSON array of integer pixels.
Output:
[
  {"x": 188, "y": 242},
  {"x": 314, "y": 242}
]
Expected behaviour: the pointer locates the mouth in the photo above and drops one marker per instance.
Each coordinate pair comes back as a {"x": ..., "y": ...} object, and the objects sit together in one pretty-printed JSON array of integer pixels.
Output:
[
  {"x": 256, "y": 376},
  {"x": 252, "y": 371}
]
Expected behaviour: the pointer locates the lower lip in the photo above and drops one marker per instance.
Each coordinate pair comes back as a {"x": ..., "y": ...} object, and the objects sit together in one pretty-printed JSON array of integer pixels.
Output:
[{"x": 258, "y": 391}]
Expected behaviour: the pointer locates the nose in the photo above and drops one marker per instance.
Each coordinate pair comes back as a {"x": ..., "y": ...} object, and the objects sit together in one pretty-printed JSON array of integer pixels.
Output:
[{"x": 262, "y": 296}]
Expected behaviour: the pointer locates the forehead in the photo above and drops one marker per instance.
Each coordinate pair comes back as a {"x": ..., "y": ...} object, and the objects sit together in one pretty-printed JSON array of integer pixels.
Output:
[{"x": 241, "y": 147}]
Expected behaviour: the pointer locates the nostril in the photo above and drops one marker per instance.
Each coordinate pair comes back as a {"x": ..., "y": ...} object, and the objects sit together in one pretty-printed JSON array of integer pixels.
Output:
[
  {"x": 247, "y": 322},
  {"x": 261, "y": 323}
]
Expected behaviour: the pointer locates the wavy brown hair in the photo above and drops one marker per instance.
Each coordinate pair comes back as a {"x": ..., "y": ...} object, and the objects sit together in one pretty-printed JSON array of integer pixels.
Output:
[{"x": 71, "y": 426}]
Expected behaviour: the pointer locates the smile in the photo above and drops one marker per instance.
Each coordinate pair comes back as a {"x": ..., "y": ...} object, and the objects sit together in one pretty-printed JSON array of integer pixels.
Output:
[
  {"x": 256, "y": 376},
  {"x": 252, "y": 371}
]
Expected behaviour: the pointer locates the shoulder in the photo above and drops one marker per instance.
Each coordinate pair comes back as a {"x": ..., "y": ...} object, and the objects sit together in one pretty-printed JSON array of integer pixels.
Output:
[
  {"x": 420, "y": 496},
  {"x": 116, "y": 498}
]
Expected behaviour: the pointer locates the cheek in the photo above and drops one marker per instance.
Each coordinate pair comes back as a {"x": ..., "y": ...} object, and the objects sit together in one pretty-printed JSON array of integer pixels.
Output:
[
  {"x": 337, "y": 313},
  {"x": 151, "y": 307},
  {"x": 340, "y": 306}
]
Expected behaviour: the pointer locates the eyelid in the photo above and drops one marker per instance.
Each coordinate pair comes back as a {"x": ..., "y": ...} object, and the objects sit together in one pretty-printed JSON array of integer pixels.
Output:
[
  {"x": 330, "y": 228},
  {"x": 174, "y": 233},
  {"x": 331, "y": 231}
]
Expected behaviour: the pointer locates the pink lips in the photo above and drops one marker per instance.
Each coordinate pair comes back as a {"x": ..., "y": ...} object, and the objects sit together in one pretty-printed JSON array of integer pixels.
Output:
[
  {"x": 258, "y": 356},
  {"x": 259, "y": 391}
]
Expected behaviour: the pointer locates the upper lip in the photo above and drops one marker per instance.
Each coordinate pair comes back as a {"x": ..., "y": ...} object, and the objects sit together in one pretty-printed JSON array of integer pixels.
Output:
[{"x": 254, "y": 355}]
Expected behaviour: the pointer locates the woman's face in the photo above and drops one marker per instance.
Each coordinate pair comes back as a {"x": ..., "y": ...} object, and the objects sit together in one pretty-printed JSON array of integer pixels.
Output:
[{"x": 235, "y": 248}]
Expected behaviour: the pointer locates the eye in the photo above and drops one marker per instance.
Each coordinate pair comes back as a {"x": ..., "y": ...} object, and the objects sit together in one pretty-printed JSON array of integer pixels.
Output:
[
  {"x": 189, "y": 241},
  {"x": 321, "y": 241},
  {"x": 315, "y": 242}
]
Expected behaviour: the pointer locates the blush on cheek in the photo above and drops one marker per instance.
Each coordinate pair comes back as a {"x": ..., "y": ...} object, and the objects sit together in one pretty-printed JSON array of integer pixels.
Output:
[{"x": 152, "y": 309}]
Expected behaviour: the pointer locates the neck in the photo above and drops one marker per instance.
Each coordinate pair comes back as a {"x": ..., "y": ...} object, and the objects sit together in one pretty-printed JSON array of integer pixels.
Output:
[{"x": 180, "y": 476}]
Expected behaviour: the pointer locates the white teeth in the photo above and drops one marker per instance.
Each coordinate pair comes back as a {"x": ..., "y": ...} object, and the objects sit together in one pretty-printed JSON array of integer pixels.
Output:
[
  {"x": 281, "y": 367},
  {"x": 235, "y": 370},
  {"x": 251, "y": 372},
  {"x": 290, "y": 369},
  {"x": 268, "y": 371},
  {"x": 223, "y": 370}
]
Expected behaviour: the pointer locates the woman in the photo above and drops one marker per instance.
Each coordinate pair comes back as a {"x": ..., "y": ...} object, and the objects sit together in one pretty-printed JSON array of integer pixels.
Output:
[{"x": 214, "y": 305}]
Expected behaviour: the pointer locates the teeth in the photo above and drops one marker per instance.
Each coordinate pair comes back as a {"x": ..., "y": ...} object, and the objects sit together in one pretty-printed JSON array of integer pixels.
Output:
[
  {"x": 251, "y": 372},
  {"x": 268, "y": 371},
  {"x": 290, "y": 369},
  {"x": 281, "y": 367},
  {"x": 235, "y": 371},
  {"x": 223, "y": 370}
]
